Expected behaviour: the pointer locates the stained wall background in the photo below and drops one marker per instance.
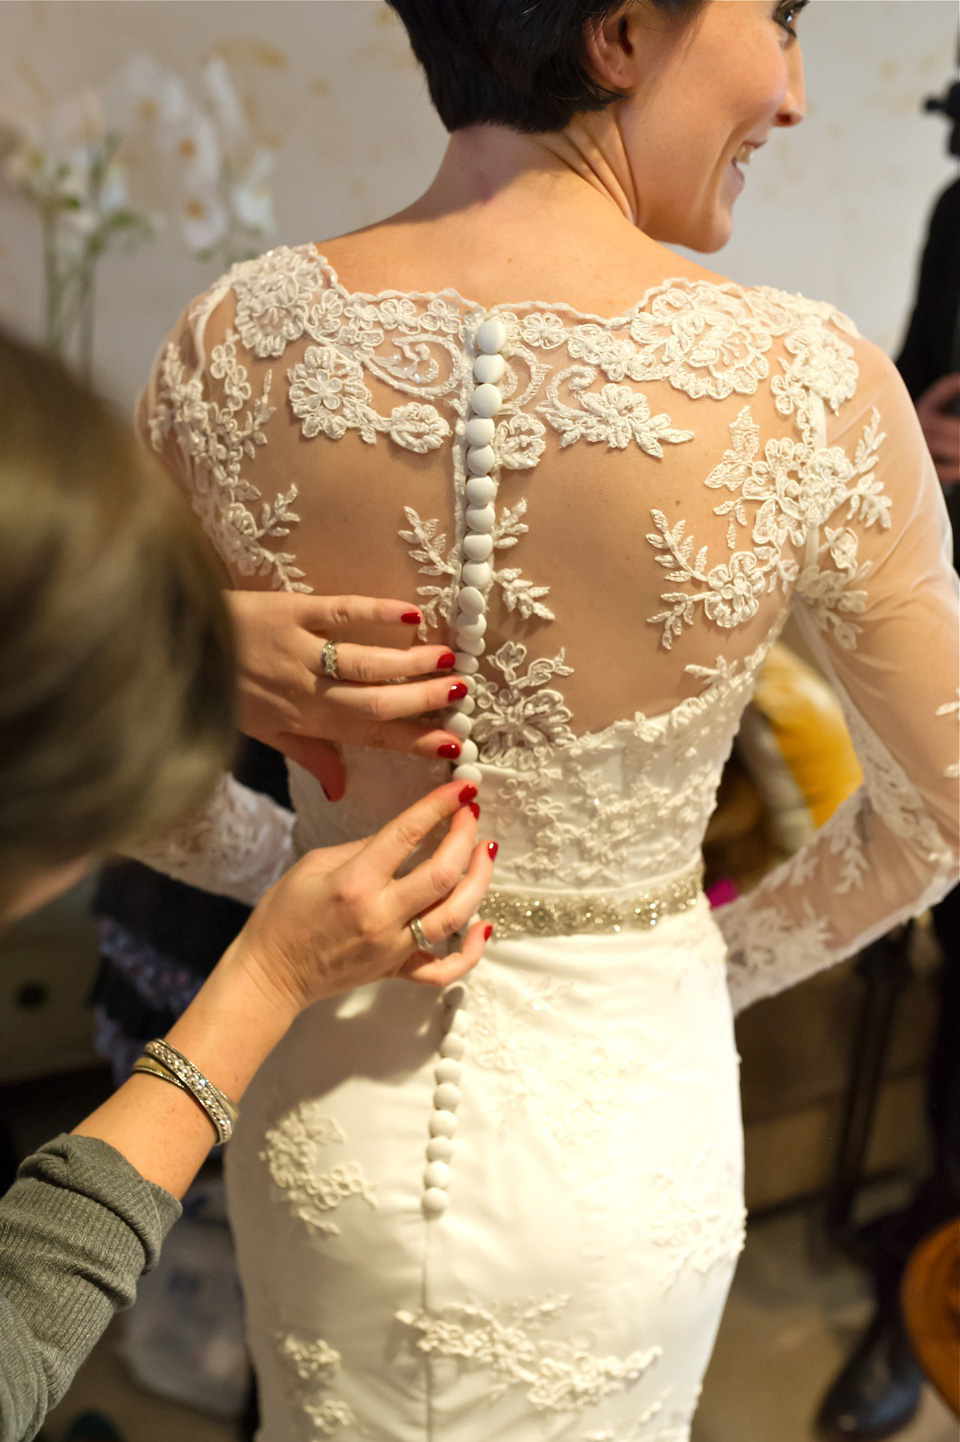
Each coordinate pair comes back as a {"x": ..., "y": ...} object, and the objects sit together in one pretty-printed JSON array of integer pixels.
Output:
[{"x": 835, "y": 209}]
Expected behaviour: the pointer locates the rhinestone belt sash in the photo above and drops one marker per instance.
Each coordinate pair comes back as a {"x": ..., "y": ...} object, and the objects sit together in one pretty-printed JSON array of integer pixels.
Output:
[{"x": 532, "y": 913}]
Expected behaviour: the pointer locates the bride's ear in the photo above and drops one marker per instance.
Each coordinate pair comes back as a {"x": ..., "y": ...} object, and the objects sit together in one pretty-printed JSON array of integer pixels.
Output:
[{"x": 612, "y": 48}]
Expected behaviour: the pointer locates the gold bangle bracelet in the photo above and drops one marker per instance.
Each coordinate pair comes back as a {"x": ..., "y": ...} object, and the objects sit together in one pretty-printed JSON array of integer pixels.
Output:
[{"x": 164, "y": 1062}]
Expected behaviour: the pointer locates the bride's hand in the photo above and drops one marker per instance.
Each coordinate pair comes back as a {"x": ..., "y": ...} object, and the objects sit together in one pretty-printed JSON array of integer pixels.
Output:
[
  {"x": 285, "y": 700},
  {"x": 341, "y": 918}
]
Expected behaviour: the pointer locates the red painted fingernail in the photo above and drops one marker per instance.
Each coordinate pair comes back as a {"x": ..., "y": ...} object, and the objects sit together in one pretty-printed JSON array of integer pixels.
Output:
[
  {"x": 492, "y": 849},
  {"x": 467, "y": 794},
  {"x": 447, "y": 661},
  {"x": 450, "y": 750},
  {"x": 475, "y": 809},
  {"x": 412, "y": 618},
  {"x": 487, "y": 931},
  {"x": 457, "y": 691},
  {"x": 325, "y": 792}
]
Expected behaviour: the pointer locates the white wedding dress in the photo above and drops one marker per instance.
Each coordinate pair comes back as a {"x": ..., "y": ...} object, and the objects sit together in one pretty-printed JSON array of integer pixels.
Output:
[{"x": 513, "y": 1212}]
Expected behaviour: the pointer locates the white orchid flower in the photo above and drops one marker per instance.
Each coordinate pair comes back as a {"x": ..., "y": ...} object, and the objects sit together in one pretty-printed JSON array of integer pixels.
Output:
[
  {"x": 146, "y": 94},
  {"x": 203, "y": 221},
  {"x": 250, "y": 197},
  {"x": 225, "y": 102}
]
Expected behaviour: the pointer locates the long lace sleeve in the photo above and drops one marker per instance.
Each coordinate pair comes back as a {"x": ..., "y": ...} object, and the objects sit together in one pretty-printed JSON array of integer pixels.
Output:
[
  {"x": 237, "y": 846},
  {"x": 242, "y": 841},
  {"x": 877, "y": 603}
]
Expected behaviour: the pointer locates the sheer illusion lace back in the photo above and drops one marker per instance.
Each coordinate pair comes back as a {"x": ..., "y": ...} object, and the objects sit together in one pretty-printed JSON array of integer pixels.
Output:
[{"x": 656, "y": 491}]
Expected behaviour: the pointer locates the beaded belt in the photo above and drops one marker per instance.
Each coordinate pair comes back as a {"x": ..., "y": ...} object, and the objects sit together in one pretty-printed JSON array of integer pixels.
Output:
[{"x": 531, "y": 913}]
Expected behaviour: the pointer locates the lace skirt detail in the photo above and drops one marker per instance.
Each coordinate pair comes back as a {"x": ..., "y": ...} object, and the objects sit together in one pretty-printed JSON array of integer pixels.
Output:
[{"x": 590, "y": 1155}]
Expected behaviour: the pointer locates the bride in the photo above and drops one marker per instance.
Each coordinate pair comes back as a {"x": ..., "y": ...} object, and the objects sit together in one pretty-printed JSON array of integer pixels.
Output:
[{"x": 513, "y": 1212}]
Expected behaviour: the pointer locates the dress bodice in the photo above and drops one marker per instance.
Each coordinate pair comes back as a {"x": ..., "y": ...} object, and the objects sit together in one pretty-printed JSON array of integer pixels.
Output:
[{"x": 668, "y": 483}]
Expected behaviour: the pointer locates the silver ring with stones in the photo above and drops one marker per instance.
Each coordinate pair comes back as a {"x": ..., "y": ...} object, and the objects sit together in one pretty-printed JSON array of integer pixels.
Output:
[{"x": 328, "y": 661}]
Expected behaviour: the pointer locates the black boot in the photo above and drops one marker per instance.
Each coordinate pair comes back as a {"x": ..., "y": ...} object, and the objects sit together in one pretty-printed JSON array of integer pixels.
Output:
[{"x": 877, "y": 1392}]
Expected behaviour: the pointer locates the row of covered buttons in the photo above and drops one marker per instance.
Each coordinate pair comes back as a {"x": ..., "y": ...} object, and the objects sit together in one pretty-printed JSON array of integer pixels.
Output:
[
  {"x": 476, "y": 574},
  {"x": 446, "y": 1099},
  {"x": 476, "y": 578}
]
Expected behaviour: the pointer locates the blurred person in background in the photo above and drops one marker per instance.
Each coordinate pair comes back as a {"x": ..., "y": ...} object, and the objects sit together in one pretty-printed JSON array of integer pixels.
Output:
[
  {"x": 116, "y": 700},
  {"x": 878, "y": 1389}
]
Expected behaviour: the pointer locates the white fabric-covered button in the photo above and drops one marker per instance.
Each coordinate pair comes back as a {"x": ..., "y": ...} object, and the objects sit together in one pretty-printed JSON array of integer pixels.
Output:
[
  {"x": 468, "y": 752},
  {"x": 468, "y": 773},
  {"x": 477, "y": 547},
  {"x": 460, "y": 1022},
  {"x": 453, "y": 1045},
  {"x": 448, "y": 1069},
  {"x": 459, "y": 724},
  {"x": 466, "y": 664},
  {"x": 471, "y": 600},
  {"x": 486, "y": 401},
  {"x": 467, "y": 705},
  {"x": 491, "y": 335},
  {"x": 477, "y": 573},
  {"x": 471, "y": 684},
  {"x": 471, "y": 625},
  {"x": 481, "y": 460},
  {"x": 437, "y": 1174},
  {"x": 481, "y": 518},
  {"x": 479, "y": 431},
  {"x": 442, "y": 1124},
  {"x": 489, "y": 369},
  {"x": 471, "y": 645},
  {"x": 480, "y": 490},
  {"x": 454, "y": 995},
  {"x": 439, "y": 1149},
  {"x": 435, "y": 1201},
  {"x": 446, "y": 1098}
]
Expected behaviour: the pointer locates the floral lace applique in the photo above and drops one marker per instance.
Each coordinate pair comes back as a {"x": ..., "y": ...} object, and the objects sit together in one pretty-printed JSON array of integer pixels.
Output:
[
  {"x": 555, "y": 1376},
  {"x": 291, "y": 1153},
  {"x": 797, "y": 488},
  {"x": 828, "y": 593},
  {"x": 329, "y": 396},
  {"x": 215, "y": 441},
  {"x": 615, "y": 414},
  {"x": 701, "y": 1219},
  {"x": 238, "y": 846},
  {"x": 316, "y": 1365},
  {"x": 518, "y": 719},
  {"x": 314, "y": 1362},
  {"x": 274, "y": 293},
  {"x": 575, "y": 1091},
  {"x": 636, "y": 1430},
  {"x": 567, "y": 816},
  {"x": 428, "y": 546}
]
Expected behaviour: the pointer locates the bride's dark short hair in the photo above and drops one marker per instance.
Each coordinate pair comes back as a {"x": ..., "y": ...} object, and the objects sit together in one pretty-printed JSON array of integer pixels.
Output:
[{"x": 520, "y": 63}]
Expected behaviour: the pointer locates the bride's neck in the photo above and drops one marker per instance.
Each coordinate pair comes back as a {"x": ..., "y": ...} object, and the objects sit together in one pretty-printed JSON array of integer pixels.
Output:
[{"x": 585, "y": 164}]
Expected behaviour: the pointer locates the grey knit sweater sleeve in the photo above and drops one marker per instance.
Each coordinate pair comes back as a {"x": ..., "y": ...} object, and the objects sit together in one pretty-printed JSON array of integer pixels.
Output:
[{"x": 77, "y": 1229}]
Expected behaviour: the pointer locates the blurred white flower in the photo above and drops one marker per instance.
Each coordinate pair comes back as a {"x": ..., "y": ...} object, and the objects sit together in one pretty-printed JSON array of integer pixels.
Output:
[
  {"x": 145, "y": 94},
  {"x": 224, "y": 100},
  {"x": 203, "y": 222},
  {"x": 251, "y": 199},
  {"x": 82, "y": 161},
  {"x": 193, "y": 144}
]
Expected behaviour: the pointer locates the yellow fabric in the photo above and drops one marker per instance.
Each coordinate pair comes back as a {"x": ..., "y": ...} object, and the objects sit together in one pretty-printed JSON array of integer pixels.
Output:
[{"x": 807, "y": 724}]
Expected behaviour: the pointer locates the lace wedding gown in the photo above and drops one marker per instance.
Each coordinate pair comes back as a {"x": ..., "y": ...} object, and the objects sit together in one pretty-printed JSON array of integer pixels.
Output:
[{"x": 514, "y": 1211}]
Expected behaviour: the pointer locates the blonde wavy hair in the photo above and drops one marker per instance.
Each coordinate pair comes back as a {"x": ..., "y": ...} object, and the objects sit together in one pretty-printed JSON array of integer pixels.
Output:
[{"x": 116, "y": 657}]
